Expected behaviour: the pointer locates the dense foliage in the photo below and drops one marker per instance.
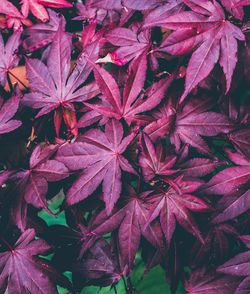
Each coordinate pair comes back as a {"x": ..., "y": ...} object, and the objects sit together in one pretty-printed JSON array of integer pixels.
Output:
[{"x": 124, "y": 146}]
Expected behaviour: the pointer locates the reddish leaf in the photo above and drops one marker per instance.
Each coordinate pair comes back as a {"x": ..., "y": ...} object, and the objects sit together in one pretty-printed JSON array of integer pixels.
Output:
[
  {"x": 237, "y": 266},
  {"x": 7, "y": 111},
  {"x": 237, "y": 206},
  {"x": 199, "y": 167},
  {"x": 100, "y": 266},
  {"x": 33, "y": 182},
  {"x": 131, "y": 105},
  {"x": 51, "y": 87},
  {"x": 37, "y": 9},
  {"x": 174, "y": 204},
  {"x": 234, "y": 7},
  {"x": 131, "y": 219},
  {"x": 155, "y": 161},
  {"x": 139, "y": 5},
  {"x": 193, "y": 122},
  {"x": 9, "y": 9},
  {"x": 201, "y": 282},
  {"x": 8, "y": 58},
  {"x": 22, "y": 270},
  {"x": 228, "y": 180},
  {"x": 99, "y": 154},
  {"x": 215, "y": 37},
  {"x": 130, "y": 42}
]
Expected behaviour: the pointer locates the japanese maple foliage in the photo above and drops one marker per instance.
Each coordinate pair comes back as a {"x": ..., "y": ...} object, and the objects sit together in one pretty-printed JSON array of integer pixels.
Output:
[{"x": 124, "y": 146}]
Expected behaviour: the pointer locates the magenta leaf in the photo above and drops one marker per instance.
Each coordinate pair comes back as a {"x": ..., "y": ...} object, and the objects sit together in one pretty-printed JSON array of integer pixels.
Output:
[
  {"x": 131, "y": 44},
  {"x": 155, "y": 160},
  {"x": 234, "y": 7},
  {"x": 174, "y": 204},
  {"x": 193, "y": 123},
  {"x": 139, "y": 5},
  {"x": 22, "y": 270},
  {"x": 237, "y": 206},
  {"x": 99, "y": 154},
  {"x": 130, "y": 106},
  {"x": 100, "y": 266},
  {"x": 37, "y": 9},
  {"x": 215, "y": 37},
  {"x": 42, "y": 34},
  {"x": 50, "y": 84},
  {"x": 199, "y": 167},
  {"x": 42, "y": 170},
  {"x": 237, "y": 266},
  {"x": 228, "y": 180},
  {"x": 7, "y": 111},
  {"x": 8, "y": 57},
  {"x": 131, "y": 219},
  {"x": 201, "y": 282}
]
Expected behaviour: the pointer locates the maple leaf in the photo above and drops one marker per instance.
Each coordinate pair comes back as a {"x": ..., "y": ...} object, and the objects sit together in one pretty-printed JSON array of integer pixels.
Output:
[
  {"x": 194, "y": 121},
  {"x": 91, "y": 10},
  {"x": 173, "y": 204},
  {"x": 202, "y": 282},
  {"x": 130, "y": 42},
  {"x": 239, "y": 265},
  {"x": 206, "y": 30},
  {"x": 155, "y": 161},
  {"x": 7, "y": 111},
  {"x": 131, "y": 219},
  {"x": 230, "y": 183},
  {"x": 42, "y": 34},
  {"x": 99, "y": 154},
  {"x": 51, "y": 87},
  {"x": 227, "y": 181},
  {"x": 240, "y": 137},
  {"x": 130, "y": 105},
  {"x": 100, "y": 266},
  {"x": 8, "y": 58},
  {"x": 198, "y": 167},
  {"x": 23, "y": 271},
  {"x": 105, "y": 4},
  {"x": 33, "y": 182},
  {"x": 216, "y": 248},
  {"x": 158, "y": 15},
  {"x": 163, "y": 120},
  {"x": 37, "y": 9}
]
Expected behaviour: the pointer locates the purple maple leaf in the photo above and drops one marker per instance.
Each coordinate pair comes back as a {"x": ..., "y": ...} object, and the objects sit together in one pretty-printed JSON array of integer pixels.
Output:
[
  {"x": 42, "y": 34},
  {"x": 239, "y": 265},
  {"x": 99, "y": 154},
  {"x": 50, "y": 85},
  {"x": 22, "y": 270},
  {"x": 133, "y": 101},
  {"x": 173, "y": 204},
  {"x": 100, "y": 266},
  {"x": 155, "y": 160},
  {"x": 130, "y": 42},
  {"x": 203, "y": 282},
  {"x": 194, "y": 121},
  {"x": 7, "y": 111},
  {"x": 9, "y": 9},
  {"x": 8, "y": 58},
  {"x": 131, "y": 219},
  {"x": 206, "y": 30},
  {"x": 33, "y": 182}
]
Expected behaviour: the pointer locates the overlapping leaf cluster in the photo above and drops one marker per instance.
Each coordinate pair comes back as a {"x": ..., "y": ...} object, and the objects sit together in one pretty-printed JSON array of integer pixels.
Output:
[{"x": 131, "y": 119}]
